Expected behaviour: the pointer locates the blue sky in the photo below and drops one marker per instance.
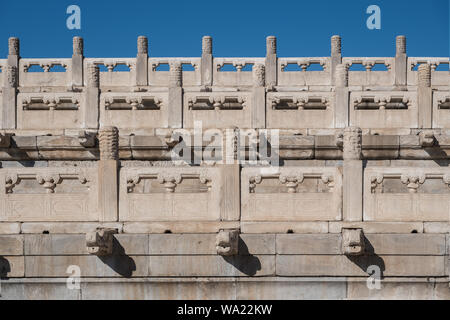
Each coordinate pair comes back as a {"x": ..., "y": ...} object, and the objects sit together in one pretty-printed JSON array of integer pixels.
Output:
[{"x": 239, "y": 27}]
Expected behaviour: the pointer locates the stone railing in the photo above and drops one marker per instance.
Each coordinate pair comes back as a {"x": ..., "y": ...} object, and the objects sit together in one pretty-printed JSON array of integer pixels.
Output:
[{"x": 270, "y": 92}]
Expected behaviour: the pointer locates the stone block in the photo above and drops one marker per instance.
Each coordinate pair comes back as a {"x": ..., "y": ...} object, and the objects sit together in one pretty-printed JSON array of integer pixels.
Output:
[
  {"x": 212, "y": 266},
  {"x": 378, "y": 227},
  {"x": 308, "y": 244},
  {"x": 284, "y": 227},
  {"x": 340, "y": 265},
  {"x": 90, "y": 266},
  {"x": 407, "y": 244},
  {"x": 11, "y": 245}
]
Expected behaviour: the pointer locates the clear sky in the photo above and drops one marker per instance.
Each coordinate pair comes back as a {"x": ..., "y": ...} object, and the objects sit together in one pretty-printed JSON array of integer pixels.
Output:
[{"x": 238, "y": 27}]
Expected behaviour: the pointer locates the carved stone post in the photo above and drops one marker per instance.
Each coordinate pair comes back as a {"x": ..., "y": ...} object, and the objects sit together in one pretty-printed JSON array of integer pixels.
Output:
[
  {"x": 271, "y": 61},
  {"x": 341, "y": 96},
  {"x": 336, "y": 56},
  {"x": 424, "y": 96},
  {"x": 175, "y": 95},
  {"x": 9, "y": 109},
  {"x": 13, "y": 51},
  {"x": 77, "y": 61},
  {"x": 108, "y": 173},
  {"x": 142, "y": 61},
  {"x": 91, "y": 97},
  {"x": 259, "y": 97},
  {"x": 401, "y": 60},
  {"x": 10, "y": 84},
  {"x": 353, "y": 175},
  {"x": 206, "y": 65}
]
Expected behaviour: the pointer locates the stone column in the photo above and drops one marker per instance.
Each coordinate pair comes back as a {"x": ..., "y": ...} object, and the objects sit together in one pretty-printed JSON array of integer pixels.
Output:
[
  {"x": 108, "y": 165},
  {"x": 142, "y": 61},
  {"x": 207, "y": 61},
  {"x": 353, "y": 175},
  {"x": 341, "y": 96},
  {"x": 271, "y": 61},
  {"x": 336, "y": 56},
  {"x": 401, "y": 61},
  {"x": 91, "y": 98},
  {"x": 175, "y": 95},
  {"x": 77, "y": 61},
  {"x": 424, "y": 96},
  {"x": 259, "y": 97},
  {"x": 10, "y": 84}
]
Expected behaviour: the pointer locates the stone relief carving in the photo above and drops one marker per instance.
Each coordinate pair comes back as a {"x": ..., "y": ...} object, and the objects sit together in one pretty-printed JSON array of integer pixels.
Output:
[
  {"x": 11, "y": 74},
  {"x": 135, "y": 102},
  {"x": 50, "y": 102},
  {"x": 142, "y": 45},
  {"x": 49, "y": 181},
  {"x": 217, "y": 102},
  {"x": 175, "y": 74},
  {"x": 253, "y": 181},
  {"x": 424, "y": 75},
  {"x": 93, "y": 74},
  {"x": 10, "y": 181},
  {"x": 412, "y": 181},
  {"x": 169, "y": 180},
  {"x": 259, "y": 75},
  {"x": 335, "y": 45},
  {"x": 304, "y": 64},
  {"x": 300, "y": 102},
  {"x": 227, "y": 242},
  {"x": 109, "y": 143},
  {"x": 100, "y": 242},
  {"x": 271, "y": 45},
  {"x": 13, "y": 46},
  {"x": 341, "y": 75},
  {"x": 352, "y": 143},
  {"x": 207, "y": 45},
  {"x": 400, "y": 44},
  {"x": 382, "y": 102},
  {"x": 291, "y": 182},
  {"x": 78, "y": 46},
  {"x": 426, "y": 139},
  {"x": 353, "y": 242}
]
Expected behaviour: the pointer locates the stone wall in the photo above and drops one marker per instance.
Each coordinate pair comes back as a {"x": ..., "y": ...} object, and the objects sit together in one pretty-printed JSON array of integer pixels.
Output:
[{"x": 356, "y": 189}]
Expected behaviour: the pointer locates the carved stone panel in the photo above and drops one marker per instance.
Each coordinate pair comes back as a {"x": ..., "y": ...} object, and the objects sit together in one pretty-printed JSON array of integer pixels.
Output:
[
  {"x": 134, "y": 110},
  {"x": 170, "y": 194},
  {"x": 384, "y": 109},
  {"x": 291, "y": 194},
  {"x": 44, "y": 194},
  {"x": 406, "y": 194},
  {"x": 300, "y": 110},
  {"x": 62, "y": 110},
  {"x": 218, "y": 109},
  {"x": 441, "y": 109}
]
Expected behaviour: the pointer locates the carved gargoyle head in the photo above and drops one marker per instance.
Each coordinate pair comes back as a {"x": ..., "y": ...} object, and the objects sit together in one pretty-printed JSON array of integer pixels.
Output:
[
  {"x": 100, "y": 241},
  {"x": 353, "y": 242},
  {"x": 227, "y": 242}
]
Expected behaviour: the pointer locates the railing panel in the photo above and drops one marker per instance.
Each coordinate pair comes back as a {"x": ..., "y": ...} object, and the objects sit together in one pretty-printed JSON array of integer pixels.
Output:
[
  {"x": 292, "y": 194},
  {"x": 43, "y": 194}
]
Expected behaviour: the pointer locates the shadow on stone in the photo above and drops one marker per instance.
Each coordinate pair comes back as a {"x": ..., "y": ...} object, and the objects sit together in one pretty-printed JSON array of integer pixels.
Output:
[
  {"x": 244, "y": 261},
  {"x": 370, "y": 258},
  {"x": 438, "y": 155},
  {"x": 5, "y": 268},
  {"x": 119, "y": 261}
]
